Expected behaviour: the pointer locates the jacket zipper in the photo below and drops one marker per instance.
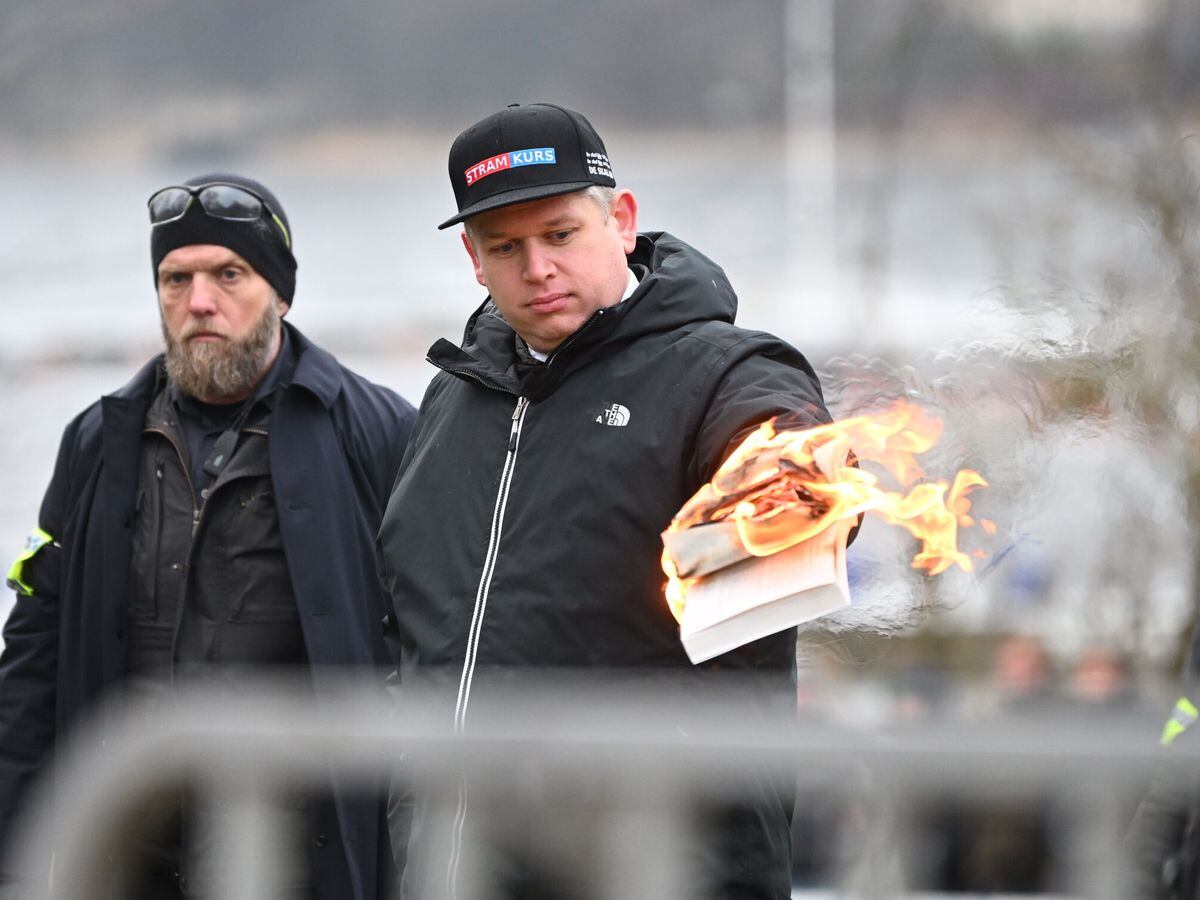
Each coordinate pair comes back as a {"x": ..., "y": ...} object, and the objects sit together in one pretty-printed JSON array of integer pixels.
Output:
[
  {"x": 197, "y": 517},
  {"x": 481, "y": 597},
  {"x": 489, "y": 567},
  {"x": 592, "y": 320},
  {"x": 467, "y": 373},
  {"x": 489, "y": 562},
  {"x": 197, "y": 511},
  {"x": 485, "y": 583},
  {"x": 186, "y": 474}
]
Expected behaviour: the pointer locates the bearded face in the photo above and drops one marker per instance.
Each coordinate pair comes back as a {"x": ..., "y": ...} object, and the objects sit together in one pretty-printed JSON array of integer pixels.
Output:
[{"x": 221, "y": 370}]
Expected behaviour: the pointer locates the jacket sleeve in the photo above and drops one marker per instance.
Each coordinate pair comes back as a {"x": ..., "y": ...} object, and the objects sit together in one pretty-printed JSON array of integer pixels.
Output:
[
  {"x": 377, "y": 430},
  {"x": 376, "y": 436},
  {"x": 1163, "y": 841},
  {"x": 756, "y": 379},
  {"x": 1160, "y": 845},
  {"x": 29, "y": 663}
]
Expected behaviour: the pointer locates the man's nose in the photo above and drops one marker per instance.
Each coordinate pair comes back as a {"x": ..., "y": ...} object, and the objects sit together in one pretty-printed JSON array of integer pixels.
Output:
[
  {"x": 202, "y": 297},
  {"x": 539, "y": 263}
]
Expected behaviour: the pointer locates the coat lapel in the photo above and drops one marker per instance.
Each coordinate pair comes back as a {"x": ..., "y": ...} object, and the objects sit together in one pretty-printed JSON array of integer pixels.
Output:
[{"x": 120, "y": 438}]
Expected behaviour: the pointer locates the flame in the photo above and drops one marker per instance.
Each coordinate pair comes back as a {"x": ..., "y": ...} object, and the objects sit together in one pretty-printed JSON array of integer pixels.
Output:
[{"x": 781, "y": 487}]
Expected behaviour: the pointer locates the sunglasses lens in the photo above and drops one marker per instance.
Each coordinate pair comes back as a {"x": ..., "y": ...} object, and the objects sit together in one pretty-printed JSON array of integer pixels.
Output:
[
  {"x": 227, "y": 202},
  {"x": 221, "y": 201},
  {"x": 168, "y": 204}
]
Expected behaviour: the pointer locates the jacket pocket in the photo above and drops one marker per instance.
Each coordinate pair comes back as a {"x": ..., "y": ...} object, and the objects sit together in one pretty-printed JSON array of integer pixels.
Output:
[
  {"x": 256, "y": 568},
  {"x": 147, "y": 546}
]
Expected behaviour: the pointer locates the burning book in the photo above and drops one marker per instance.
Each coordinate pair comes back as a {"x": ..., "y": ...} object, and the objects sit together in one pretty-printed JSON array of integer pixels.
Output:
[
  {"x": 757, "y": 596},
  {"x": 761, "y": 547}
]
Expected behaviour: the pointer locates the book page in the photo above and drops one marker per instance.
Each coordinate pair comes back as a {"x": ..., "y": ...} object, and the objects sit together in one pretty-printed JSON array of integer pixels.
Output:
[{"x": 762, "y": 595}]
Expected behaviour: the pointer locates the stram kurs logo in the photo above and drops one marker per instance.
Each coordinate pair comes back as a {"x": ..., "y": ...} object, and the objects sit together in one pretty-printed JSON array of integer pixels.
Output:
[
  {"x": 613, "y": 414},
  {"x": 534, "y": 156}
]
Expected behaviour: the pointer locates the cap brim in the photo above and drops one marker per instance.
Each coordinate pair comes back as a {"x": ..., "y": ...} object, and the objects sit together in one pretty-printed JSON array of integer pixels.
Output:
[{"x": 517, "y": 195}]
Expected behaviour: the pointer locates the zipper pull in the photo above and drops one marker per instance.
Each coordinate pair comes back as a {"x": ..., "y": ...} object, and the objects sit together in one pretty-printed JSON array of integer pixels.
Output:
[
  {"x": 195, "y": 521},
  {"x": 512, "y": 434}
]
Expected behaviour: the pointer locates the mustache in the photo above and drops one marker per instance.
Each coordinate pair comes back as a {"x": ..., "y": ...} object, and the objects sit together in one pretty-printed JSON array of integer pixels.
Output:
[{"x": 198, "y": 330}]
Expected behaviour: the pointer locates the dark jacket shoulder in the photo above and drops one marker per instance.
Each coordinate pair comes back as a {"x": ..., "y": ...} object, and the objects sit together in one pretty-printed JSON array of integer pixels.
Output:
[{"x": 372, "y": 421}]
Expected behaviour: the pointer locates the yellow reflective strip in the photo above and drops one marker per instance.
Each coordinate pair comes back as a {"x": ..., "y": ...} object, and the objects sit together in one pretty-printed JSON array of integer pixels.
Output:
[
  {"x": 1183, "y": 716},
  {"x": 1171, "y": 731},
  {"x": 287, "y": 238},
  {"x": 36, "y": 540}
]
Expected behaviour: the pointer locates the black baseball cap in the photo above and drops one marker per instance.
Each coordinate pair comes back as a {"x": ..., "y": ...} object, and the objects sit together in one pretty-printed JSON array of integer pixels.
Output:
[{"x": 525, "y": 153}]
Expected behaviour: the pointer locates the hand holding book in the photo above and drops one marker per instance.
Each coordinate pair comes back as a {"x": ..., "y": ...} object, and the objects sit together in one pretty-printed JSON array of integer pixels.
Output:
[
  {"x": 733, "y": 594},
  {"x": 762, "y": 546}
]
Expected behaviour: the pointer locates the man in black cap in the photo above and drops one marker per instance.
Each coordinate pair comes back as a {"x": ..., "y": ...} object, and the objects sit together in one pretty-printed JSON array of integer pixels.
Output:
[
  {"x": 215, "y": 515},
  {"x": 598, "y": 386}
]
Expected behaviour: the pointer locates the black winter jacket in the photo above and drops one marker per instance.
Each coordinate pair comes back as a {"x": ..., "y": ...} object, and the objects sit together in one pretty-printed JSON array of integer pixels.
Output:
[
  {"x": 334, "y": 445},
  {"x": 523, "y": 529}
]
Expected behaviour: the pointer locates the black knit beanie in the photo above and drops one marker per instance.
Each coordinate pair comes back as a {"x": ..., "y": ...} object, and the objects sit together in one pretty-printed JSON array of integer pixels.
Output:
[{"x": 260, "y": 242}]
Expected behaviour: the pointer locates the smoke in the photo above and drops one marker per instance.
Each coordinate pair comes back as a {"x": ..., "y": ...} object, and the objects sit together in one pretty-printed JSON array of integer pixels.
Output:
[
  {"x": 1081, "y": 409},
  {"x": 888, "y": 596}
]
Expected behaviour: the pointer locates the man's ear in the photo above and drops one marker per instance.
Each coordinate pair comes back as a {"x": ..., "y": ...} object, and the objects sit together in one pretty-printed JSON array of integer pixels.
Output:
[
  {"x": 624, "y": 212},
  {"x": 474, "y": 258},
  {"x": 283, "y": 305}
]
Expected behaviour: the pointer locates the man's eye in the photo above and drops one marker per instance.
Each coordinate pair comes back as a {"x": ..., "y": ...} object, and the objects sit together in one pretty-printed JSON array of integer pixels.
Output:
[
  {"x": 175, "y": 279},
  {"x": 229, "y": 274},
  {"x": 504, "y": 248},
  {"x": 561, "y": 236}
]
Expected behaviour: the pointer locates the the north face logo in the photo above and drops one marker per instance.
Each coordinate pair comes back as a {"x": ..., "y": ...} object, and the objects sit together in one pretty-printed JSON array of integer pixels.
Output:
[{"x": 614, "y": 414}]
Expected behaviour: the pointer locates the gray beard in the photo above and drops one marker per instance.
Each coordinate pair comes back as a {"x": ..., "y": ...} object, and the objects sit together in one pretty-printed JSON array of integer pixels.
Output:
[{"x": 226, "y": 370}]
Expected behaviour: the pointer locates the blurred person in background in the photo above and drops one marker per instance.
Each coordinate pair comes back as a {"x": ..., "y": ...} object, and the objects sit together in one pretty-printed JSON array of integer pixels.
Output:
[
  {"x": 1023, "y": 678},
  {"x": 598, "y": 386},
  {"x": 214, "y": 517},
  {"x": 1163, "y": 841},
  {"x": 1100, "y": 681},
  {"x": 1007, "y": 843}
]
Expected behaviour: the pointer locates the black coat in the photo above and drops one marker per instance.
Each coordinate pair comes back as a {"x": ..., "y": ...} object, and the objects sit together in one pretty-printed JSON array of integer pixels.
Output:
[
  {"x": 335, "y": 442},
  {"x": 524, "y": 526}
]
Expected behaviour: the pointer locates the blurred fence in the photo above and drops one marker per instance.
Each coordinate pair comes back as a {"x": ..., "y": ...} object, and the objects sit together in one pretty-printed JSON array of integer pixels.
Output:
[{"x": 629, "y": 763}]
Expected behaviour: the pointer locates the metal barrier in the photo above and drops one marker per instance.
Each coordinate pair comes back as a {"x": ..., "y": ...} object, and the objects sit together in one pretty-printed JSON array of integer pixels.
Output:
[{"x": 625, "y": 764}]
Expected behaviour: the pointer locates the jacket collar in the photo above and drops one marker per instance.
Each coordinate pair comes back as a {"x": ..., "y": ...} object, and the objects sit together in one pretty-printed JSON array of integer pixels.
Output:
[
  {"x": 316, "y": 369},
  {"x": 489, "y": 356},
  {"x": 681, "y": 286},
  {"x": 143, "y": 385}
]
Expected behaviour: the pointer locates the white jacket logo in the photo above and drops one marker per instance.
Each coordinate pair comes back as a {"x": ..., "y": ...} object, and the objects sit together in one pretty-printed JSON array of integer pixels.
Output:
[{"x": 614, "y": 414}]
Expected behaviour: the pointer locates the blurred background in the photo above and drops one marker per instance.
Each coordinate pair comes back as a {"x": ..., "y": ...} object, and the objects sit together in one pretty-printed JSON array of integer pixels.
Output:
[{"x": 986, "y": 206}]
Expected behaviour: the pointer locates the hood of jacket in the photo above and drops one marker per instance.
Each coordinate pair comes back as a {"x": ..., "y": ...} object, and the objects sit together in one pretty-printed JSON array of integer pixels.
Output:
[{"x": 679, "y": 286}]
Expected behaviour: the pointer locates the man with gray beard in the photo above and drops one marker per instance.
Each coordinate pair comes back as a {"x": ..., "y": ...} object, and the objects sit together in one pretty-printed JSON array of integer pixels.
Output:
[{"x": 214, "y": 517}]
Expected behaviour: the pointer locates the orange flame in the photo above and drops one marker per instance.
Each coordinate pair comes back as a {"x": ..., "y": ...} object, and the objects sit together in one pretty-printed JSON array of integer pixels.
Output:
[{"x": 782, "y": 487}]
